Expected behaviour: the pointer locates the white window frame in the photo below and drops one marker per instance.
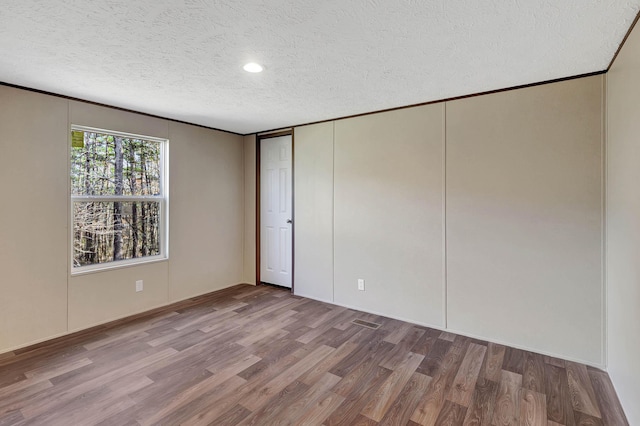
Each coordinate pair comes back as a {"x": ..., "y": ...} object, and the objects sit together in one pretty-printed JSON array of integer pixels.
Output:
[{"x": 163, "y": 198}]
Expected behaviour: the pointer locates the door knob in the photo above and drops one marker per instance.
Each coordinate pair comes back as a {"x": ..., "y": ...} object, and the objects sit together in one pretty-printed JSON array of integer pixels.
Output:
[{"x": 289, "y": 221}]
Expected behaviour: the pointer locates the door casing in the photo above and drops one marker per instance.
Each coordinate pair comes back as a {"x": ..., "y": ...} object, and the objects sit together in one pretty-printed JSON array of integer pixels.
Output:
[{"x": 259, "y": 138}]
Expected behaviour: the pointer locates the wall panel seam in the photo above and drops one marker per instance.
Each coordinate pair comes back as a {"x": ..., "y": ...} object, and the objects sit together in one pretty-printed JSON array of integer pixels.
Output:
[
  {"x": 333, "y": 215},
  {"x": 604, "y": 179},
  {"x": 445, "y": 270},
  {"x": 244, "y": 207},
  {"x": 68, "y": 204}
]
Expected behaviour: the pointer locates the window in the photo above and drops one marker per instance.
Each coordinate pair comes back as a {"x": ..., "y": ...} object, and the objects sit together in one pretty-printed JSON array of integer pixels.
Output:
[{"x": 118, "y": 198}]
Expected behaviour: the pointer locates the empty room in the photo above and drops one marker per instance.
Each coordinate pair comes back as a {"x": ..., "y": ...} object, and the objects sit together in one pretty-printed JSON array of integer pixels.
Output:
[{"x": 319, "y": 212}]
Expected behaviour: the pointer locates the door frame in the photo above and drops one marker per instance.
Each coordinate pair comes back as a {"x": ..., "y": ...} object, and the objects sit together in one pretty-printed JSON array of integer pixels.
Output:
[{"x": 259, "y": 139}]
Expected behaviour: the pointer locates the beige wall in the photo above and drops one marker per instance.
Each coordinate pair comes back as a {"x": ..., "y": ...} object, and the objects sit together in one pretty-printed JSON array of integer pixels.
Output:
[
  {"x": 99, "y": 297},
  {"x": 388, "y": 213},
  {"x": 623, "y": 225},
  {"x": 33, "y": 230},
  {"x": 313, "y": 215},
  {"x": 369, "y": 204},
  {"x": 85, "y": 114},
  {"x": 524, "y": 218},
  {"x": 40, "y": 297},
  {"x": 206, "y": 217}
]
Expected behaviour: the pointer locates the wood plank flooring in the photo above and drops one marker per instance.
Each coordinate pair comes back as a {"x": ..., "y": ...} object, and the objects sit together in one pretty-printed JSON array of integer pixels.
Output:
[{"x": 261, "y": 356}]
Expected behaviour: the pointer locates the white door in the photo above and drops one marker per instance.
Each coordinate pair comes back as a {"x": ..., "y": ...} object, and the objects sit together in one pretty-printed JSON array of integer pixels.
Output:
[{"x": 275, "y": 211}]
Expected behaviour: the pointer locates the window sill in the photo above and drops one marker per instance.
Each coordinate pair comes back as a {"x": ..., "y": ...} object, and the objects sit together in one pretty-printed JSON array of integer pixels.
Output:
[{"x": 105, "y": 267}]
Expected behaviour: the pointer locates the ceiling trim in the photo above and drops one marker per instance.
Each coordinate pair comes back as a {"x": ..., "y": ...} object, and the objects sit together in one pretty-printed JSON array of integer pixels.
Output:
[
  {"x": 624, "y": 40},
  {"x": 489, "y": 92},
  {"x": 71, "y": 98},
  {"x": 269, "y": 135}
]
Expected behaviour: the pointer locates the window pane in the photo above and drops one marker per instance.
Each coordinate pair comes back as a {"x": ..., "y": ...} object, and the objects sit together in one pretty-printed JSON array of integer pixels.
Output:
[
  {"x": 112, "y": 165},
  {"x": 109, "y": 231}
]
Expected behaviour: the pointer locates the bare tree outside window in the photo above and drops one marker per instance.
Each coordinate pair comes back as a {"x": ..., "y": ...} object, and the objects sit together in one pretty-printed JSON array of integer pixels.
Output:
[{"x": 117, "y": 197}]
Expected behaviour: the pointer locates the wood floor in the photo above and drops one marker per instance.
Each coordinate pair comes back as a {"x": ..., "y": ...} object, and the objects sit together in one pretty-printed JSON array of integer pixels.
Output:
[{"x": 260, "y": 356}]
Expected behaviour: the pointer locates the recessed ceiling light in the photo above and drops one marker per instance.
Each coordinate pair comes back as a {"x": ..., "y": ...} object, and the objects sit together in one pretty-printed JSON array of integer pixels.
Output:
[{"x": 253, "y": 67}]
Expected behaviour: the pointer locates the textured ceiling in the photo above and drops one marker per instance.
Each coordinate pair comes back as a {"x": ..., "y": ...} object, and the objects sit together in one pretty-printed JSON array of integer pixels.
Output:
[{"x": 323, "y": 59}]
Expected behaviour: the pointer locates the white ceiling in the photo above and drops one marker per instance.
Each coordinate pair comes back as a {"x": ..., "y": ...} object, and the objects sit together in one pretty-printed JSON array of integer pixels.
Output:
[{"x": 323, "y": 59}]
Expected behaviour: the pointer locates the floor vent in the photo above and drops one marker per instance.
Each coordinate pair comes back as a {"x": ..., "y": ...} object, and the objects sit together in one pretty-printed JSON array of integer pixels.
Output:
[{"x": 363, "y": 323}]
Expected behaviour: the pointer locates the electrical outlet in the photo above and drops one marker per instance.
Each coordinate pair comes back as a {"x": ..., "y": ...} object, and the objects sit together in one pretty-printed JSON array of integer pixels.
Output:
[
  {"x": 360, "y": 284},
  {"x": 139, "y": 285}
]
